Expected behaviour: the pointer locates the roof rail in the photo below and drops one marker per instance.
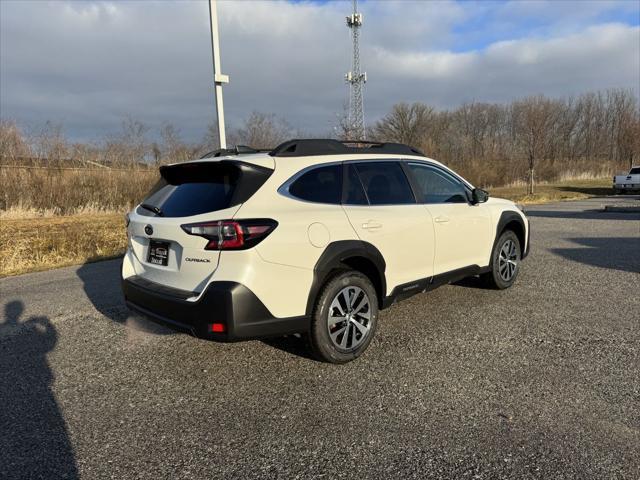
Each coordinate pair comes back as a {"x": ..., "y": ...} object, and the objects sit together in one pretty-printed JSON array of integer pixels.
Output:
[
  {"x": 237, "y": 150},
  {"x": 309, "y": 147}
]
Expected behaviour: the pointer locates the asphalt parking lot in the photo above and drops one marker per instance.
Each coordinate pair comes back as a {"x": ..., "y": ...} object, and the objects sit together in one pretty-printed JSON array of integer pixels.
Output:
[{"x": 539, "y": 381}]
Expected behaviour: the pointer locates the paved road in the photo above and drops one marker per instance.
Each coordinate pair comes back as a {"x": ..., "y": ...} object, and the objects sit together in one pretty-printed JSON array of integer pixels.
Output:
[{"x": 541, "y": 381}]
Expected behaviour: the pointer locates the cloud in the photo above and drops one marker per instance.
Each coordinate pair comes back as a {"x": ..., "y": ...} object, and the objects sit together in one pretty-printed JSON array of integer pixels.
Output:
[{"x": 89, "y": 64}]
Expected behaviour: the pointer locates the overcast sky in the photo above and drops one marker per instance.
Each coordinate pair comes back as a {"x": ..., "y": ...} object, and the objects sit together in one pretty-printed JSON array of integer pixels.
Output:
[{"x": 88, "y": 64}]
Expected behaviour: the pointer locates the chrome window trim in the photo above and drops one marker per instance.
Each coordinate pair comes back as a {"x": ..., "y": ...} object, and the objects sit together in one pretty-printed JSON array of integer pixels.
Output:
[{"x": 284, "y": 188}]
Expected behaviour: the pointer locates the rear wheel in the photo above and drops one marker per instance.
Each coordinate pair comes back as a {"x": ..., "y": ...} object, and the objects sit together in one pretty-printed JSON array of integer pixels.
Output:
[
  {"x": 344, "y": 318},
  {"x": 505, "y": 262}
]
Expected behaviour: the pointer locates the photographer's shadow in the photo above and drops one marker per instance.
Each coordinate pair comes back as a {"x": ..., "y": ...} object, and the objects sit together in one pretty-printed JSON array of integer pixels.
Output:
[{"x": 34, "y": 442}]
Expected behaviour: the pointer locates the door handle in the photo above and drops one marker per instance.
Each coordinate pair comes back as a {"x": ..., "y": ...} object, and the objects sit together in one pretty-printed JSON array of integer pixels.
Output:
[
  {"x": 371, "y": 225},
  {"x": 441, "y": 219}
]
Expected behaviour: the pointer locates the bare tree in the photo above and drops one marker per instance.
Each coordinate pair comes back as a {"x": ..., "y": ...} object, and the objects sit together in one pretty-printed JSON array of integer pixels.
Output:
[
  {"x": 174, "y": 149},
  {"x": 534, "y": 120},
  {"x": 49, "y": 143},
  {"x": 130, "y": 145},
  {"x": 261, "y": 130},
  {"x": 13, "y": 145},
  {"x": 405, "y": 124}
]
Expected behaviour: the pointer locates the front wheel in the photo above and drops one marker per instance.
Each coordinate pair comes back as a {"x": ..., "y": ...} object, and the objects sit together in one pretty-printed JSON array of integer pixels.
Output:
[
  {"x": 344, "y": 318},
  {"x": 505, "y": 262}
]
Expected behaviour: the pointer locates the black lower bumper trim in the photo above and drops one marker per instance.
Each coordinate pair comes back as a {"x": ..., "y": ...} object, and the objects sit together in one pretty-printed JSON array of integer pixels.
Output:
[{"x": 243, "y": 314}]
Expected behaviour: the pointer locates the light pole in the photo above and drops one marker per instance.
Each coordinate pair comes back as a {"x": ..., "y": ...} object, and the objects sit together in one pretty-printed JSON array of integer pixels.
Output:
[{"x": 218, "y": 77}]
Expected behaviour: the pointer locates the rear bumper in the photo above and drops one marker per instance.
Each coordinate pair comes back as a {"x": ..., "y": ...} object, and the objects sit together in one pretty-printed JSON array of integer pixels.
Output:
[{"x": 243, "y": 314}]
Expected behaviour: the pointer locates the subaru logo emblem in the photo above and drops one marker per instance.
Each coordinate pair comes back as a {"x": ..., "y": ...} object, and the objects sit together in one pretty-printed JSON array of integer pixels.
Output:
[{"x": 148, "y": 230}]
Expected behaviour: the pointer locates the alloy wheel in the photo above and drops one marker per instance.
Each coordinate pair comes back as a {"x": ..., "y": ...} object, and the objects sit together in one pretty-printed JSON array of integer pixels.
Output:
[
  {"x": 508, "y": 260},
  {"x": 349, "y": 319}
]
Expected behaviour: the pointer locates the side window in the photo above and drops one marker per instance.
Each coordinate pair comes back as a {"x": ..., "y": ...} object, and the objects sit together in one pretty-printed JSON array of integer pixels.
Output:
[
  {"x": 321, "y": 185},
  {"x": 354, "y": 193},
  {"x": 385, "y": 183},
  {"x": 436, "y": 186}
]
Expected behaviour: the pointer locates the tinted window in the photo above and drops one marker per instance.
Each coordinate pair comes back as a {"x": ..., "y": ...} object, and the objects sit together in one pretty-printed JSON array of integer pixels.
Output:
[
  {"x": 196, "y": 188},
  {"x": 385, "y": 183},
  {"x": 355, "y": 193},
  {"x": 322, "y": 185},
  {"x": 634, "y": 171},
  {"x": 436, "y": 186}
]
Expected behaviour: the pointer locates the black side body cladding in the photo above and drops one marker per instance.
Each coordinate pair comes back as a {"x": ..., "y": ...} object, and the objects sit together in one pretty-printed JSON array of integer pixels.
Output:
[
  {"x": 231, "y": 303},
  {"x": 516, "y": 223},
  {"x": 342, "y": 254},
  {"x": 402, "y": 292}
]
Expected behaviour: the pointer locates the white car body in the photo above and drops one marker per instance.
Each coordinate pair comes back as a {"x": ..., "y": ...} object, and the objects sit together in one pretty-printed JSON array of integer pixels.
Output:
[
  {"x": 420, "y": 244},
  {"x": 628, "y": 182}
]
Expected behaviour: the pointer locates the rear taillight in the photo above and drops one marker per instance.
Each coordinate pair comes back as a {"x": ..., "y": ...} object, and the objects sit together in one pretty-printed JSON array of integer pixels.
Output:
[{"x": 232, "y": 234}]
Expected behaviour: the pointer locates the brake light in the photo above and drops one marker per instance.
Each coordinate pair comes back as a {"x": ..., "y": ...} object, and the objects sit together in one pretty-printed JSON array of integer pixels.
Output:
[{"x": 232, "y": 234}]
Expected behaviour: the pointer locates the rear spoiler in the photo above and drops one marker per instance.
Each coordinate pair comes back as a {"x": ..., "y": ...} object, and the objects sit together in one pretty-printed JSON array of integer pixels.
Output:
[{"x": 247, "y": 177}]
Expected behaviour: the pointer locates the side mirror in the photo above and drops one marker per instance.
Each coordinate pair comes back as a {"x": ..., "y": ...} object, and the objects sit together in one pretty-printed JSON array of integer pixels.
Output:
[{"x": 479, "y": 196}]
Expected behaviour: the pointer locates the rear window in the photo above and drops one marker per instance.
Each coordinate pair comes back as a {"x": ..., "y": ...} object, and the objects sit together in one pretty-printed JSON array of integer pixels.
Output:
[
  {"x": 634, "y": 171},
  {"x": 196, "y": 188},
  {"x": 322, "y": 185}
]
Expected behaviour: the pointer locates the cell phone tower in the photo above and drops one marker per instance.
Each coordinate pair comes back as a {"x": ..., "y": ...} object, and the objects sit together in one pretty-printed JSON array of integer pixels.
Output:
[{"x": 356, "y": 79}]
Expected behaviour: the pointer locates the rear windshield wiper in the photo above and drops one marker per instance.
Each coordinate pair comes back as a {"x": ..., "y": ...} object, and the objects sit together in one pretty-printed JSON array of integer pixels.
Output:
[{"x": 152, "y": 208}]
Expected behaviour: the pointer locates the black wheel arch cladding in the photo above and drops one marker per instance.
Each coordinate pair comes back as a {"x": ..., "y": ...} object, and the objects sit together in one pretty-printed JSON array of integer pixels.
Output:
[
  {"x": 348, "y": 254},
  {"x": 510, "y": 220}
]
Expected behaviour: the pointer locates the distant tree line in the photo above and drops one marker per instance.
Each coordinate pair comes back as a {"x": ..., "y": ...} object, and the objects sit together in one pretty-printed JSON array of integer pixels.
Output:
[
  {"x": 527, "y": 140},
  {"x": 589, "y": 135}
]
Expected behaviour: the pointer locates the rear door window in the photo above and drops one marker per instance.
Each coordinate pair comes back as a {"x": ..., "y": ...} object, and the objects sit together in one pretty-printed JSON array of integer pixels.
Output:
[
  {"x": 196, "y": 188},
  {"x": 385, "y": 183},
  {"x": 354, "y": 192},
  {"x": 321, "y": 185}
]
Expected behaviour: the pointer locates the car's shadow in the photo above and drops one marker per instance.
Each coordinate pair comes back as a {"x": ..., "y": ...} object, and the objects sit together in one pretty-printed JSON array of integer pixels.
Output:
[
  {"x": 583, "y": 214},
  {"x": 34, "y": 441},
  {"x": 470, "y": 282},
  {"x": 101, "y": 284},
  {"x": 292, "y": 344},
  {"x": 615, "y": 253}
]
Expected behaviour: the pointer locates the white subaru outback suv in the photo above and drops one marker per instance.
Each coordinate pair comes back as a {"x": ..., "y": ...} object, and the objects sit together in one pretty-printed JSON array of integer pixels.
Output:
[{"x": 313, "y": 237}]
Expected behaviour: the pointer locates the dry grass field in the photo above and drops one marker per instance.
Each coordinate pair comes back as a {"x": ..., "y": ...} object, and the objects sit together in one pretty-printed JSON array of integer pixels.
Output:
[
  {"x": 570, "y": 189},
  {"x": 37, "y": 191},
  {"x": 42, "y": 243},
  {"x": 33, "y": 239}
]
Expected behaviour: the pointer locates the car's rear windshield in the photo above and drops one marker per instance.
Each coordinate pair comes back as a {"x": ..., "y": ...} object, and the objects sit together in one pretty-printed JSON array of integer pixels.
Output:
[
  {"x": 634, "y": 171},
  {"x": 201, "y": 187}
]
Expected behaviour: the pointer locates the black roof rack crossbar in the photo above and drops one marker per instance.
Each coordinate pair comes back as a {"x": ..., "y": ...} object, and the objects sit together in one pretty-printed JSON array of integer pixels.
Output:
[
  {"x": 309, "y": 147},
  {"x": 237, "y": 150}
]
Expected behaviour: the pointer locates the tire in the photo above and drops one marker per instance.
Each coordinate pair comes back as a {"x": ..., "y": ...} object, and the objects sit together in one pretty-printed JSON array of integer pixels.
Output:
[
  {"x": 333, "y": 318},
  {"x": 505, "y": 262}
]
